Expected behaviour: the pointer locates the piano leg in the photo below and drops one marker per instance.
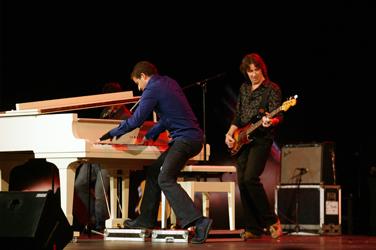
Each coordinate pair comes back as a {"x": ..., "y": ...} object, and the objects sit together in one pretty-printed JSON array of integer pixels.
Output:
[
  {"x": 125, "y": 194},
  {"x": 67, "y": 171},
  {"x": 114, "y": 221}
]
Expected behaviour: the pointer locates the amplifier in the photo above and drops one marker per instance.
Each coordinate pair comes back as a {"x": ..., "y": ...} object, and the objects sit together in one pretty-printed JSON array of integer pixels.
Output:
[{"x": 308, "y": 163}]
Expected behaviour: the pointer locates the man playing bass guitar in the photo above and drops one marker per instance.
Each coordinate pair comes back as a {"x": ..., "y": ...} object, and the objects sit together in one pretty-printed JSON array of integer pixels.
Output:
[{"x": 257, "y": 97}]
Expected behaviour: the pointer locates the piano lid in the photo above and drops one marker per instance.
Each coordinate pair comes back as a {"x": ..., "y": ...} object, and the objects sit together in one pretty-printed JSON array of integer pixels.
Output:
[{"x": 76, "y": 103}]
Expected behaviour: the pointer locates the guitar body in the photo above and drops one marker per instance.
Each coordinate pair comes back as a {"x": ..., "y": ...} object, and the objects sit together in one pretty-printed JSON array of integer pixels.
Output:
[
  {"x": 242, "y": 135},
  {"x": 241, "y": 138}
]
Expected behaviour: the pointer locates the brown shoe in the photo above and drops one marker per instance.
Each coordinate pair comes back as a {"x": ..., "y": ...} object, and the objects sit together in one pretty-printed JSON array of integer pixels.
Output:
[
  {"x": 276, "y": 230},
  {"x": 247, "y": 235}
]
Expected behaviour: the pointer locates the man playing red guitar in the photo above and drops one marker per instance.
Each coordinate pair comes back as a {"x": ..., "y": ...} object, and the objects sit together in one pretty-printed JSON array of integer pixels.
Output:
[{"x": 257, "y": 97}]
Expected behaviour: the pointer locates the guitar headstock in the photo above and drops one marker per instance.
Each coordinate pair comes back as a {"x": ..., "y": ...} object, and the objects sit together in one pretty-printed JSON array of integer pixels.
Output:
[{"x": 289, "y": 103}]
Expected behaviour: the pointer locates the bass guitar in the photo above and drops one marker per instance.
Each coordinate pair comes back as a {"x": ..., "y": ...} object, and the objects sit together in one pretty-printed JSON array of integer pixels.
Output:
[{"x": 242, "y": 135}]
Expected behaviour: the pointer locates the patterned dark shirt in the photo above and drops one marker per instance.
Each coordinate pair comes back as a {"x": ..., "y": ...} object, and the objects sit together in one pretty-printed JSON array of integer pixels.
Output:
[{"x": 249, "y": 103}]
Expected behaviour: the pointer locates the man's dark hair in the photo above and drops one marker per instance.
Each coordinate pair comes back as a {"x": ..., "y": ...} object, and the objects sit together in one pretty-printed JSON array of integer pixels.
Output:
[
  {"x": 145, "y": 67},
  {"x": 255, "y": 59}
]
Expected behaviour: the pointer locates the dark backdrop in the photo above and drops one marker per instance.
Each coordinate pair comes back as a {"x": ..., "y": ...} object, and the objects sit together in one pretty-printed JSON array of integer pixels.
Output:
[{"x": 324, "y": 52}]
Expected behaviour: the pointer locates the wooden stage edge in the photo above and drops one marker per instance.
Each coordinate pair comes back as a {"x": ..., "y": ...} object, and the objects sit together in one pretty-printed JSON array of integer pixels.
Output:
[{"x": 286, "y": 242}]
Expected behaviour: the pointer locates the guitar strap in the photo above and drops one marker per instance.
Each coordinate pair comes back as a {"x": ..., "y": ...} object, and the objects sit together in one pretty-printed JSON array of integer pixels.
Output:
[{"x": 265, "y": 97}]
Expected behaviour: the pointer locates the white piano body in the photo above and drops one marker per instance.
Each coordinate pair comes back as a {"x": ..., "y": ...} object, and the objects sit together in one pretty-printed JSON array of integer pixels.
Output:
[{"x": 65, "y": 140}]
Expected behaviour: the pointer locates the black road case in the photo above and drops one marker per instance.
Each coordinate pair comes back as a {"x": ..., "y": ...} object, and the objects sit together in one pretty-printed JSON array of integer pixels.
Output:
[{"x": 309, "y": 208}]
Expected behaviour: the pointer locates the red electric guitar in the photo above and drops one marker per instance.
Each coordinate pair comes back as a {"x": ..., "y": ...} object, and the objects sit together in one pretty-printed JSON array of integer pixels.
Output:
[{"x": 242, "y": 135}]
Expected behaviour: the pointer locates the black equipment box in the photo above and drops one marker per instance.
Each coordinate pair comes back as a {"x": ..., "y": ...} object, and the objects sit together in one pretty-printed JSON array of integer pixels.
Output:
[
  {"x": 32, "y": 220},
  {"x": 309, "y": 208}
]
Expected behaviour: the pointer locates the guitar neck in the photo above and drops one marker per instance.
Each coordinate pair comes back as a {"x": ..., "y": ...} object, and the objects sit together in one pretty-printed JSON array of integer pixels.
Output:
[{"x": 259, "y": 122}]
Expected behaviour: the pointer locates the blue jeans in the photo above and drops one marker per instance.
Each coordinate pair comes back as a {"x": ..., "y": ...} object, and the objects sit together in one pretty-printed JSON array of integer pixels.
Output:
[{"x": 162, "y": 175}]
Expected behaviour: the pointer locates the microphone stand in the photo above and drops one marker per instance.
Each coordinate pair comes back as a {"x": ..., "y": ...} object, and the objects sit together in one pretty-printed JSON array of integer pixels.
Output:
[
  {"x": 203, "y": 83},
  {"x": 299, "y": 181},
  {"x": 302, "y": 171}
]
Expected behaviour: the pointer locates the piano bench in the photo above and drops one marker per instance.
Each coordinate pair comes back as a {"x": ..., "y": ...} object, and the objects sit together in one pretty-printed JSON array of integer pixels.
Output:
[{"x": 205, "y": 187}]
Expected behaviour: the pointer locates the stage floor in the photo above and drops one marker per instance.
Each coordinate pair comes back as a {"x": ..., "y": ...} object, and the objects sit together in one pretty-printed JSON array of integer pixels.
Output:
[{"x": 288, "y": 242}]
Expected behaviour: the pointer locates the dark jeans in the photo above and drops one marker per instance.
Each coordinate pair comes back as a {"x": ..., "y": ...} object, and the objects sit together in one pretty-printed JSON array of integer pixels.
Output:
[
  {"x": 162, "y": 175},
  {"x": 84, "y": 181},
  {"x": 250, "y": 165}
]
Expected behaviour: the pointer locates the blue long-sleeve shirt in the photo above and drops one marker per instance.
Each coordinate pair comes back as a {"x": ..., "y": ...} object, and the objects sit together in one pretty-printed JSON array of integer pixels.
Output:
[{"x": 163, "y": 95}]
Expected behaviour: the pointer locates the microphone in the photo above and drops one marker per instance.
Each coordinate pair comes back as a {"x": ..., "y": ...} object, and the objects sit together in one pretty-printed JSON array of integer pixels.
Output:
[{"x": 303, "y": 170}]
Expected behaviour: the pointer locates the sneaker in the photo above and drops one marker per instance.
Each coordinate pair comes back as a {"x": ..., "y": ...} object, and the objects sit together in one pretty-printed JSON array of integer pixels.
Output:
[
  {"x": 247, "y": 235},
  {"x": 203, "y": 226},
  {"x": 136, "y": 224},
  {"x": 276, "y": 230}
]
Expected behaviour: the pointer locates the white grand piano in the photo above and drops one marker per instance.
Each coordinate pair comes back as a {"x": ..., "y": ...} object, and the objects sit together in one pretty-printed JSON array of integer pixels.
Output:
[{"x": 48, "y": 129}]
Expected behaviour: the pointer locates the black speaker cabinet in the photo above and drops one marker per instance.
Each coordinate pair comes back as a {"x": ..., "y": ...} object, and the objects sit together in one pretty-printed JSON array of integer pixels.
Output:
[
  {"x": 32, "y": 220},
  {"x": 313, "y": 208},
  {"x": 308, "y": 163}
]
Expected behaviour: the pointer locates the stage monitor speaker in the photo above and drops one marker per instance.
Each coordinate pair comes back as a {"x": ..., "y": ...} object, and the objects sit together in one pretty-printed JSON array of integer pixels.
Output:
[
  {"x": 32, "y": 220},
  {"x": 314, "y": 163}
]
